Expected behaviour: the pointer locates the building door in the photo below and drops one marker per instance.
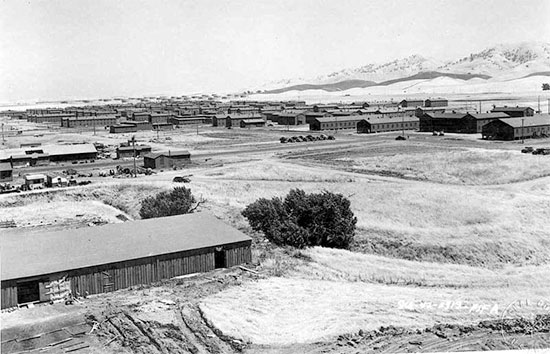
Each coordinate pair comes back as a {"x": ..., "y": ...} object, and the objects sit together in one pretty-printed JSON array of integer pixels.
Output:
[
  {"x": 108, "y": 284},
  {"x": 219, "y": 258},
  {"x": 28, "y": 291}
]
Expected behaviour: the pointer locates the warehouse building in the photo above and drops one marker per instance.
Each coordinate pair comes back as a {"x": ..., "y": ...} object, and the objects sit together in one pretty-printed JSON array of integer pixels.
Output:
[
  {"x": 47, "y": 266},
  {"x": 335, "y": 123},
  {"x": 128, "y": 151},
  {"x": 43, "y": 155},
  {"x": 385, "y": 124},
  {"x": 186, "y": 120},
  {"x": 468, "y": 123},
  {"x": 54, "y": 118},
  {"x": 167, "y": 159},
  {"x": 436, "y": 102},
  {"x": 89, "y": 121},
  {"x": 412, "y": 103},
  {"x": 517, "y": 128},
  {"x": 233, "y": 120},
  {"x": 515, "y": 111},
  {"x": 289, "y": 118}
]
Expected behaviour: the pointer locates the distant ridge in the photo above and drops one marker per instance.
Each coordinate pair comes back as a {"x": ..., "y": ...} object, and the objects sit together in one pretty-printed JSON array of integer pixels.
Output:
[
  {"x": 434, "y": 74},
  {"x": 337, "y": 86},
  {"x": 349, "y": 84},
  {"x": 500, "y": 63}
]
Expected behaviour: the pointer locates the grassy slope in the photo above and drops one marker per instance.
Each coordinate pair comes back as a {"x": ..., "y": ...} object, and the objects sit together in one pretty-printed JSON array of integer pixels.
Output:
[{"x": 327, "y": 292}]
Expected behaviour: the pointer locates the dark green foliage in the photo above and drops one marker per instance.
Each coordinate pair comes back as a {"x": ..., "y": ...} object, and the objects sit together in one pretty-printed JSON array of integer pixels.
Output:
[
  {"x": 545, "y": 87},
  {"x": 300, "y": 220},
  {"x": 176, "y": 202}
]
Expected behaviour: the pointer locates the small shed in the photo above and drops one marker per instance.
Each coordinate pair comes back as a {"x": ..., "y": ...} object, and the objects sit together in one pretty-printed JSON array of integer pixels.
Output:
[
  {"x": 34, "y": 180},
  {"x": 55, "y": 180},
  {"x": 6, "y": 172},
  {"x": 167, "y": 159}
]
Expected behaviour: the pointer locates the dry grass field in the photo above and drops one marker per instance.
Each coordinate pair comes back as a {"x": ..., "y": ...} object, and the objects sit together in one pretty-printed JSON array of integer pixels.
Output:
[{"x": 435, "y": 239}]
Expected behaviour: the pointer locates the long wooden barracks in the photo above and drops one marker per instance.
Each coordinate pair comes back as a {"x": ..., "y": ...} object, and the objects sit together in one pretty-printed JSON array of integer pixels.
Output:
[{"x": 43, "y": 267}]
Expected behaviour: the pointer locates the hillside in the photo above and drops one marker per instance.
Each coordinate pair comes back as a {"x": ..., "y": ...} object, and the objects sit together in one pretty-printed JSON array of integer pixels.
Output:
[
  {"x": 338, "y": 86},
  {"x": 501, "y": 62}
]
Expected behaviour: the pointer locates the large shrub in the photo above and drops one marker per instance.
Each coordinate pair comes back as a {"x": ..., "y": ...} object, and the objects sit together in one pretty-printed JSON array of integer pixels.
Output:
[
  {"x": 176, "y": 202},
  {"x": 301, "y": 219}
]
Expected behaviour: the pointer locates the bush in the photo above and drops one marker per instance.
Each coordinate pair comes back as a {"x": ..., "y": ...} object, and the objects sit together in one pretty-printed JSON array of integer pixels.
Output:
[
  {"x": 301, "y": 220},
  {"x": 176, "y": 202}
]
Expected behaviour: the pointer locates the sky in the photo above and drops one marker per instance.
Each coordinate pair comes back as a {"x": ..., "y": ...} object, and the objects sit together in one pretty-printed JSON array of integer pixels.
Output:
[{"x": 63, "y": 49}]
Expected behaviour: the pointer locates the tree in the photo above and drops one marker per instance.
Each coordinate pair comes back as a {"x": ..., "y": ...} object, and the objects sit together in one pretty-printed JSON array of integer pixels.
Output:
[
  {"x": 301, "y": 219},
  {"x": 176, "y": 202},
  {"x": 545, "y": 87}
]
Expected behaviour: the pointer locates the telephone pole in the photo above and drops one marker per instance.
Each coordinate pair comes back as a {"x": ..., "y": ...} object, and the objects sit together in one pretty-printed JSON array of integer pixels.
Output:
[
  {"x": 522, "y": 135},
  {"x": 134, "y": 146}
]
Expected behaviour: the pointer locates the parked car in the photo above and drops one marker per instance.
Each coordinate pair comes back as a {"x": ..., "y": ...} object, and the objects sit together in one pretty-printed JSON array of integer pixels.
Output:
[
  {"x": 181, "y": 179},
  {"x": 331, "y": 137},
  {"x": 527, "y": 149},
  {"x": 400, "y": 137},
  {"x": 541, "y": 151},
  {"x": 283, "y": 140}
]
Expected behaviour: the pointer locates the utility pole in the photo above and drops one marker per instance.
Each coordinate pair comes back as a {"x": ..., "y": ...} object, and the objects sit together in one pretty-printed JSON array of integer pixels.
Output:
[
  {"x": 548, "y": 106},
  {"x": 522, "y": 141},
  {"x": 539, "y": 111},
  {"x": 3, "y": 139},
  {"x": 403, "y": 125},
  {"x": 134, "y": 146},
  {"x": 93, "y": 119},
  {"x": 480, "y": 106}
]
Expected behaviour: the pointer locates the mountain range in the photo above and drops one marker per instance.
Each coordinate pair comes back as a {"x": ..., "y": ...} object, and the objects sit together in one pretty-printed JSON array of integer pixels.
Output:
[{"x": 503, "y": 62}]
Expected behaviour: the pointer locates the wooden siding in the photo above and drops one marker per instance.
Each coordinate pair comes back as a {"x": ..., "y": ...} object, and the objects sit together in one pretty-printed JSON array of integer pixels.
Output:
[{"x": 121, "y": 275}]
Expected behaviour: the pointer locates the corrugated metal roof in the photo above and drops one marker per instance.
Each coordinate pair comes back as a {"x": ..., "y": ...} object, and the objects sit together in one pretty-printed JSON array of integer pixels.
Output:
[{"x": 25, "y": 254}]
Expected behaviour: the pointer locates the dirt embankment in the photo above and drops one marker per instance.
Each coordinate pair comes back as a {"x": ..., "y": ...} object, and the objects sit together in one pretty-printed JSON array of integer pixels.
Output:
[
  {"x": 487, "y": 335},
  {"x": 165, "y": 319}
]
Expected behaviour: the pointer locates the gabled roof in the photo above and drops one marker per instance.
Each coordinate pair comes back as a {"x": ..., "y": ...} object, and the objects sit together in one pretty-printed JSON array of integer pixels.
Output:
[
  {"x": 510, "y": 109},
  {"x": 385, "y": 119},
  {"x": 488, "y": 115},
  {"x": 436, "y": 115},
  {"x": 534, "y": 121},
  {"x": 253, "y": 121},
  {"x": 25, "y": 254},
  {"x": 5, "y": 166},
  {"x": 339, "y": 119},
  {"x": 155, "y": 155}
]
